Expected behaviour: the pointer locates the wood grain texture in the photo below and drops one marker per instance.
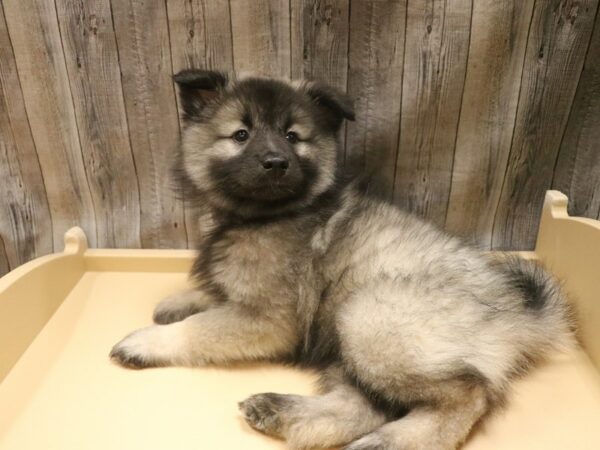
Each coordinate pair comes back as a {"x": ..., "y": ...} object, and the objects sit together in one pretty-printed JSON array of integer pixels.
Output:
[
  {"x": 4, "y": 266},
  {"x": 467, "y": 110},
  {"x": 34, "y": 33},
  {"x": 261, "y": 36},
  {"x": 200, "y": 36},
  {"x": 376, "y": 54},
  {"x": 499, "y": 33},
  {"x": 319, "y": 40},
  {"x": 558, "y": 40},
  {"x": 142, "y": 34},
  {"x": 435, "y": 61},
  {"x": 319, "y": 43},
  {"x": 25, "y": 225},
  {"x": 577, "y": 172},
  {"x": 93, "y": 69}
]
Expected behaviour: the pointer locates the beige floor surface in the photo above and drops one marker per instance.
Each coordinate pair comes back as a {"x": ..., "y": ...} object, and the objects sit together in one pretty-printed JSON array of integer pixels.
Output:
[{"x": 65, "y": 394}]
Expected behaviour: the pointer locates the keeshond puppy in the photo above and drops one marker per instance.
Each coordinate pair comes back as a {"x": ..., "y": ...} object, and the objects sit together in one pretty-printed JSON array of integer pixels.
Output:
[{"x": 417, "y": 335}]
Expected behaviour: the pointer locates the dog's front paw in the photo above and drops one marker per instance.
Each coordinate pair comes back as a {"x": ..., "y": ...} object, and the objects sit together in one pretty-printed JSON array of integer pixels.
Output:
[
  {"x": 263, "y": 412},
  {"x": 141, "y": 349}
]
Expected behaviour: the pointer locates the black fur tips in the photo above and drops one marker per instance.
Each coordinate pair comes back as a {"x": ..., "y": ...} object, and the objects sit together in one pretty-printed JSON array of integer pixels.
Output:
[
  {"x": 197, "y": 88},
  {"x": 534, "y": 284},
  {"x": 339, "y": 102},
  {"x": 201, "y": 79}
]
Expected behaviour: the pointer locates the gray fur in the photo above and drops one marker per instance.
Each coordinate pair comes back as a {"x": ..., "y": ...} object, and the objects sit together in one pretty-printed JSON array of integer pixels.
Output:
[{"x": 399, "y": 315}]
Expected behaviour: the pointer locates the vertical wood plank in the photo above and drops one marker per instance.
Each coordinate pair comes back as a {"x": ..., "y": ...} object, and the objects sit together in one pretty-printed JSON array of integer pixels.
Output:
[
  {"x": 34, "y": 32},
  {"x": 319, "y": 40},
  {"x": 261, "y": 36},
  {"x": 88, "y": 114},
  {"x": 319, "y": 43},
  {"x": 577, "y": 172},
  {"x": 558, "y": 40},
  {"x": 4, "y": 266},
  {"x": 437, "y": 44},
  {"x": 200, "y": 36},
  {"x": 93, "y": 69},
  {"x": 25, "y": 224},
  {"x": 489, "y": 106},
  {"x": 142, "y": 35},
  {"x": 376, "y": 53}
]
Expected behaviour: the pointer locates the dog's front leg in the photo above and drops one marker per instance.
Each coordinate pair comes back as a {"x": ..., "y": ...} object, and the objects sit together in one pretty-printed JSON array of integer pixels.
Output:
[
  {"x": 181, "y": 305},
  {"x": 227, "y": 333}
]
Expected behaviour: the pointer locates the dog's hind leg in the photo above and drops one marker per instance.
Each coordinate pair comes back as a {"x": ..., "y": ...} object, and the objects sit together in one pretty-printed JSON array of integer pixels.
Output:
[
  {"x": 334, "y": 418},
  {"x": 443, "y": 425}
]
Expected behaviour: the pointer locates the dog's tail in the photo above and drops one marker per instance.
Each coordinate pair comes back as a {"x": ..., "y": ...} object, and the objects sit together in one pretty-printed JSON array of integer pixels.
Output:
[{"x": 543, "y": 298}]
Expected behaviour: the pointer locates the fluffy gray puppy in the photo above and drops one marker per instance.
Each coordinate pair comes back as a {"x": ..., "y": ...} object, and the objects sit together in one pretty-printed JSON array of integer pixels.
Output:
[{"x": 417, "y": 335}]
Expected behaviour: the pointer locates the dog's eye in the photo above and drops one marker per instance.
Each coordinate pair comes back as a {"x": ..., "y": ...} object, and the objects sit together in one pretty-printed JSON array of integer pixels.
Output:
[
  {"x": 291, "y": 137},
  {"x": 241, "y": 135}
]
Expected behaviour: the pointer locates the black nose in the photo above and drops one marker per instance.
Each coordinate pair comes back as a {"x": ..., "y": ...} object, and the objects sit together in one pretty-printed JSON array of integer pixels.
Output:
[{"x": 275, "y": 164}]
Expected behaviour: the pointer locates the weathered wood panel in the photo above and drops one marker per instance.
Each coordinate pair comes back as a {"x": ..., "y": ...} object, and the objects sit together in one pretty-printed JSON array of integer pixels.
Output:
[
  {"x": 498, "y": 39},
  {"x": 261, "y": 36},
  {"x": 25, "y": 225},
  {"x": 200, "y": 36},
  {"x": 142, "y": 35},
  {"x": 34, "y": 33},
  {"x": 93, "y": 69},
  {"x": 319, "y": 40},
  {"x": 466, "y": 110},
  {"x": 577, "y": 172},
  {"x": 559, "y": 37},
  {"x": 4, "y": 266},
  {"x": 376, "y": 54},
  {"x": 435, "y": 60}
]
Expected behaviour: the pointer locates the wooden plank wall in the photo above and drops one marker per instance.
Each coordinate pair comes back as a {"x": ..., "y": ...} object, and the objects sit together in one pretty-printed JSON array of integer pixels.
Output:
[{"x": 467, "y": 111}]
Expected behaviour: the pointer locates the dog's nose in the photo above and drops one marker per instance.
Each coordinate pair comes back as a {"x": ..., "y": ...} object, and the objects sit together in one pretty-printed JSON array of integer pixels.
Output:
[{"x": 275, "y": 164}]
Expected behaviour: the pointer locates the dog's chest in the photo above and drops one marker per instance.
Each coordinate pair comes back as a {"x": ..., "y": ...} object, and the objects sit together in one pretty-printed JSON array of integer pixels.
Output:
[{"x": 255, "y": 264}]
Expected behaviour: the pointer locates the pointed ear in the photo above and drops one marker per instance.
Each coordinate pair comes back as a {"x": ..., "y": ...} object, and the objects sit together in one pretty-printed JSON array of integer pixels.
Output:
[
  {"x": 199, "y": 87},
  {"x": 337, "y": 104}
]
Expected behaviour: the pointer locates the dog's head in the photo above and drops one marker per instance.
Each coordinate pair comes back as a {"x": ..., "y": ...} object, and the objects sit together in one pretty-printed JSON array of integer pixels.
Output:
[{"x": 258, "y": 146}]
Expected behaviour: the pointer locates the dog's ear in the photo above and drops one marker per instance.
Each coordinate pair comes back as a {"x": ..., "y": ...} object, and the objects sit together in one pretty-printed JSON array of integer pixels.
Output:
[
  {"x": 337, "y": 104},
  {"x": 199, "y": 87}
]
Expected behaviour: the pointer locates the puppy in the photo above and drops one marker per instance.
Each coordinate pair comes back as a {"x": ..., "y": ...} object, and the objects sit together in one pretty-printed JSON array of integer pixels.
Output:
[{"x": 417, "y": 335}]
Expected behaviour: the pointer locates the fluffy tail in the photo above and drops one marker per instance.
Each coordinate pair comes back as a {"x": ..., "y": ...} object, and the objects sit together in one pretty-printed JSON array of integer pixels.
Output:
[{"x": 543, "y": 298}]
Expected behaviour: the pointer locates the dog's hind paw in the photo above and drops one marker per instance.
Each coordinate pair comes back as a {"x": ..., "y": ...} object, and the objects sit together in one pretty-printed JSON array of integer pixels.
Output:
[{"x": 263, "y": 412}]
